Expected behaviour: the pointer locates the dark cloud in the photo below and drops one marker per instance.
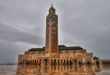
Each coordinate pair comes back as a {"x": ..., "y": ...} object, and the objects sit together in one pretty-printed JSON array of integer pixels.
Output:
[
  {"x": 8, "y": 52},
  {"x": 81, "y": 22},
  {"x": 8, "y": 33}
]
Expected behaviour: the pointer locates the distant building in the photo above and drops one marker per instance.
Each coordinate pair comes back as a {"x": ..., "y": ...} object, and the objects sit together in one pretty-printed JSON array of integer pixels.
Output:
[{"x": 54, "y": 54}]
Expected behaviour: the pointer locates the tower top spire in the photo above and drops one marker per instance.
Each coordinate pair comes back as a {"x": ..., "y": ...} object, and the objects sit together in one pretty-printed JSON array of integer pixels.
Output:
[
  {"x": 52, "y": 9},
  {"x": 51, "y": 5}
]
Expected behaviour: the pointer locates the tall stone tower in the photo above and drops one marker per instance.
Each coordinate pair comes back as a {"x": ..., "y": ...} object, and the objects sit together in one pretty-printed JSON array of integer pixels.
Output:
[{"x": 51, "y": 48}]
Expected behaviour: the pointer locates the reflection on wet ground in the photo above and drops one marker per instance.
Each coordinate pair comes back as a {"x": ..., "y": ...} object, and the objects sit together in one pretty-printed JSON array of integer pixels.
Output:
[
  {"x": 106, "y": 67},
  {"x": 11, "y": 70},
  {"x": 58, "y": 70}
]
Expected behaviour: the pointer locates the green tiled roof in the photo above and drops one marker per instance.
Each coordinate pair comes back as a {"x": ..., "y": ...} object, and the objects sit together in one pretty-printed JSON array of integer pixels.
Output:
[
  {"x": 70, "y": 48},
  {"x": 61, "y": 47},
  {"x": 37, "y": 49}
]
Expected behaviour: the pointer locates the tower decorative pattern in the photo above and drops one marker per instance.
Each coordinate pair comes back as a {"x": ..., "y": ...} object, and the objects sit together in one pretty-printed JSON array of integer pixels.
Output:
[{"x": 51, "y": 32}]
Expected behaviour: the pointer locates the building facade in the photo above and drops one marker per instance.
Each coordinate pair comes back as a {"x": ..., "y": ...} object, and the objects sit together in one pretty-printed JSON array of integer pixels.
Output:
[{"x": 54, "y": 54}]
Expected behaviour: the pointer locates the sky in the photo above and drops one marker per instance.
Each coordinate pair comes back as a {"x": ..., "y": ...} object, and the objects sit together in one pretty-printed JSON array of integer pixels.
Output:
[{"x": 84, "y": 23}]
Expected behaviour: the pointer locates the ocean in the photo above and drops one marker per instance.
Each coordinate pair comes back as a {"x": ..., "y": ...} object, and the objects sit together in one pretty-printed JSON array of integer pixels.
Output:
[{"x": 11, "y": 70}]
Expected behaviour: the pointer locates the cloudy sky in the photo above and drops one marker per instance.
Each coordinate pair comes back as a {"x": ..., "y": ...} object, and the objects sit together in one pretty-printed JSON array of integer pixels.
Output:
[{"x": 85, "y": 23}]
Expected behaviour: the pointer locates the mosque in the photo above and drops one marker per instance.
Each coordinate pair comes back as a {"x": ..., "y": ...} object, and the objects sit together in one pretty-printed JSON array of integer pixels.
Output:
[{"x": 54, "y": 54}]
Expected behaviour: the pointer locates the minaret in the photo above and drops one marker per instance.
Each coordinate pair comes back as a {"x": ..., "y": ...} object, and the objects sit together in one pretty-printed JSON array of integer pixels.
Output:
[{"x": 51, "y": 47}]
